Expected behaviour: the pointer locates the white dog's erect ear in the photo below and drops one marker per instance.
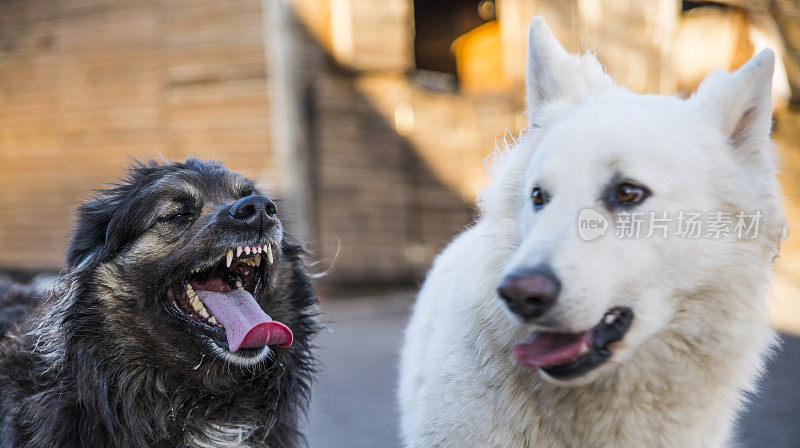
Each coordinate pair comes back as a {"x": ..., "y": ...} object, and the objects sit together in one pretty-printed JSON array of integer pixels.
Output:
[
  {"x": 741, "y": 103},
  {"x": 553, "y": 74}
]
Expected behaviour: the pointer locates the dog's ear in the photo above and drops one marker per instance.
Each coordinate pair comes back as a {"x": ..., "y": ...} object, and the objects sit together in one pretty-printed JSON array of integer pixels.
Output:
[
  {"x": 740, "y": 103},
  {"x": 555, "y": 75},
  {"x": 106, "y": 223},
  {"x": 89, "y": 236}
]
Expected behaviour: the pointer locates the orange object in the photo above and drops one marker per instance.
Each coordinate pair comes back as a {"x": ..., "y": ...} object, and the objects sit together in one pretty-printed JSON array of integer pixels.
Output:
[{"x": 479, "y": 59}]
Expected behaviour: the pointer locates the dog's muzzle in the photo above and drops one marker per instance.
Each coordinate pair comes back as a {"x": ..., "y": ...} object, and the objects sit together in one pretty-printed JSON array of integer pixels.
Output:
[{"x": 530, "y": 292}]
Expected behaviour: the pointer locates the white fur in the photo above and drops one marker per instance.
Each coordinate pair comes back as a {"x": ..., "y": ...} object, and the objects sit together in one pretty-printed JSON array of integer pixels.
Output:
[
  {"x": 219, "y": 436},
  {"x": 700, "y": 333},
  {"x": 237, "y": 360}
]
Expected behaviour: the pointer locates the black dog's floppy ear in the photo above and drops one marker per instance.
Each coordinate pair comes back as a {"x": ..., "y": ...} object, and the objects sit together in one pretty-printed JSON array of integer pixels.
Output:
[
  {"x": 105, "y": 223},
  {"x": 89, "y": 235}
]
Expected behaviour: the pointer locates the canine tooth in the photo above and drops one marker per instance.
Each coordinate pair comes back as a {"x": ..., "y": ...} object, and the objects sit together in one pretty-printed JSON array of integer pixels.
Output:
[
  {"x": 239, "y": 284},
  {"x": 258, "y": 260},
  {"x": 203, "y": 312},
  {"x": 610, "y": 319},
  {"x": 239, "y": 251},
  {"x": 213, "y": 320},
  {"x": 197, "y": 304},
  {"x": 269, "y": 254},
  {"x": 247, "y": 250}
]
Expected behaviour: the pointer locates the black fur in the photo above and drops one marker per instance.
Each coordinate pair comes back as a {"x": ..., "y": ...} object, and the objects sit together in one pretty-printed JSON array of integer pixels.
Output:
[
  {"x": 16, "y": 303},
  {"x": 105, "y": 363}
]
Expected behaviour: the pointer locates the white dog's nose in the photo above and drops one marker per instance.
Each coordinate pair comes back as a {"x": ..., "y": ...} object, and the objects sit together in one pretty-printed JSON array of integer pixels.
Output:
[{"x": 529, "y": 292}]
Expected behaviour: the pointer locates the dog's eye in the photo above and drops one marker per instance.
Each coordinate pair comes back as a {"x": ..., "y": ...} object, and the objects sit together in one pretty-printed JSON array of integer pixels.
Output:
[
  {"x": 627, "y": 193},
  {"x": 182, "y": 216},
  {"x": 539, "y": 198}
]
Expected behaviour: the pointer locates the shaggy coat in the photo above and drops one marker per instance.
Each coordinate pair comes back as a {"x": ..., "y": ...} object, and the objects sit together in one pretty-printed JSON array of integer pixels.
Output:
[
  {"x": 104, "y": 362},
  {"x": 700, "y": 334}
]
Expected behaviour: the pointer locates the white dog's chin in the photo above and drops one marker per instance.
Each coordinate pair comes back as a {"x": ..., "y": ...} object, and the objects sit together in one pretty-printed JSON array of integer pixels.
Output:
[
  {"x": 586, "y": 378},
  {"x": 573, "y": 359}
]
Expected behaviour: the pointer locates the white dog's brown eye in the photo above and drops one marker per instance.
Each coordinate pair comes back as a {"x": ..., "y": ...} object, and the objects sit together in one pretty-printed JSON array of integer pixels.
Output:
[
  {"x": 629, "y": 194},
  {"x": 539, "y": 198}
]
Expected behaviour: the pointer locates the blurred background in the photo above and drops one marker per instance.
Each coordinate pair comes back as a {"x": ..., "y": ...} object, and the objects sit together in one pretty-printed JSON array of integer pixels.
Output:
[{"x": 369, "y": 120}]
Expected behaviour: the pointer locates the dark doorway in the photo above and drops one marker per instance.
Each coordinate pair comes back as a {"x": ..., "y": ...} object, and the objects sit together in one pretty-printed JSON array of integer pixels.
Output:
[{"x": 438, "y": 23}]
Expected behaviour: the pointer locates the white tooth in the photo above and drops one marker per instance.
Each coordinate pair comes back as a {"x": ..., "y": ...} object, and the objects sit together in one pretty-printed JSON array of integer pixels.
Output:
[
  {"x": 229, "y": 257},
  {"x": 247, "y": 250},
  {"x": 239, "y": 251},
  {"x": 239, "y": 285},
  {"x": 203, "y": 313},
  {"x": 258, "y": 259},
  {"x": 197, "y": 305},
  {"x": 259, "y": 249},
  {"x": 269, "y": 254},
  {"x": 213, "y": 320},
  {"x": 610, "y": 319}
]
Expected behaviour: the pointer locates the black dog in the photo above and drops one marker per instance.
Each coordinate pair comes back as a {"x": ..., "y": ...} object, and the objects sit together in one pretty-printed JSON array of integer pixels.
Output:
[{"x": 184, "y": 320}]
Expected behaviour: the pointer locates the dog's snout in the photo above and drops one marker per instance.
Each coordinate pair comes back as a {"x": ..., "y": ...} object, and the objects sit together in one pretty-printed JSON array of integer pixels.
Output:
[
  {"x": 530, "y": 292},
  {"x": 249, "y": 209}
]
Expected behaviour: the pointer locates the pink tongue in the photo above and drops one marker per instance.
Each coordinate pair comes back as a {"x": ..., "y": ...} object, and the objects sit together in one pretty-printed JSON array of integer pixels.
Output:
[
  {"x": 550, "y": 349},
  {"x": 246, "y": 324}
]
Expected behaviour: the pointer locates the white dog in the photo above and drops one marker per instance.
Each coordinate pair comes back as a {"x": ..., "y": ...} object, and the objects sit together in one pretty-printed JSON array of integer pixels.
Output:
[{"x": 540, "y": 327}]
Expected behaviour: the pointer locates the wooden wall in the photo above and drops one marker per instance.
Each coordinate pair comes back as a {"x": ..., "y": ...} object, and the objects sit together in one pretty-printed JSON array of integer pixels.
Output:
[
  {"x": 87, "y": 84},
  {"x": 396, "y": 166},
  {"x": 631, "y": 38}
]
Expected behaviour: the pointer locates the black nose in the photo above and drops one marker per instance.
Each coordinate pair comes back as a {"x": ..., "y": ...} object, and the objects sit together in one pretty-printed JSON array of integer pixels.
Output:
[
  {"x": 530, "y": 292},
  {"x": 248, "y": 210}
]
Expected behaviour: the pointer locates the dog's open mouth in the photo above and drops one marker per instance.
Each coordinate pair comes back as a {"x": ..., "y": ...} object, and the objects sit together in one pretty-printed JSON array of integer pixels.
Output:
[
  {"x": 569, "y": 355},
  {"x": 220, "y": 299}
]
